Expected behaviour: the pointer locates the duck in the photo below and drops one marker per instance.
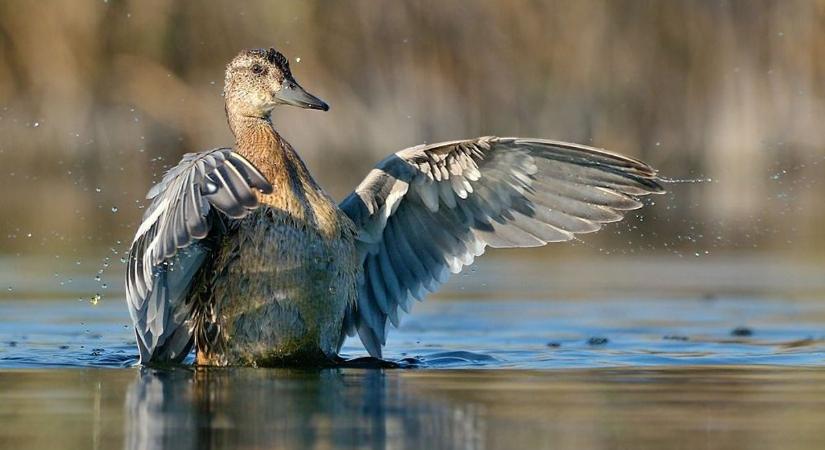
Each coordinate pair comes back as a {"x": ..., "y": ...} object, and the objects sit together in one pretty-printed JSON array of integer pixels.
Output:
[{"x": 242, "y": 256}]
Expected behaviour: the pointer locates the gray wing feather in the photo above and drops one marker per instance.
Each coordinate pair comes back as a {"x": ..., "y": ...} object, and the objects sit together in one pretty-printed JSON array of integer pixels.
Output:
[
  {"x": 428, "y": 211},
  {"x": 168, "y": 249}
]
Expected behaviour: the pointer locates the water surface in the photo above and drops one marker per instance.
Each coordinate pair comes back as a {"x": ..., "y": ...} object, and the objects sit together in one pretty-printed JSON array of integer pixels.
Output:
[{"x": 610, "y": 354}]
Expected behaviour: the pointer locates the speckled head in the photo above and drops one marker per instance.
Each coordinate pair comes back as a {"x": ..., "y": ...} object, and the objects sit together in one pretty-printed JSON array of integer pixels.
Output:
[{"x": 258, "y": 80}]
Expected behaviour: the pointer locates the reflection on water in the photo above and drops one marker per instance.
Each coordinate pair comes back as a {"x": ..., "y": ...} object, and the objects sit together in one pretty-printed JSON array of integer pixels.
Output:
[
  {"x": 247, "y": 408},
  {"x": 513, "y": 313},
  {"x": 466, "y": 333},
  {"x": 512, "y": 356},
  {"x": 412, "y": 409}
]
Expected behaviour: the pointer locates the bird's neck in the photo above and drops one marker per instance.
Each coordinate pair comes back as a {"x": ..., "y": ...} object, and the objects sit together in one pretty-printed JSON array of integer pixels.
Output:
[
  {"x": 257, "y": 141},
  {"x": 295, "y": 191}
]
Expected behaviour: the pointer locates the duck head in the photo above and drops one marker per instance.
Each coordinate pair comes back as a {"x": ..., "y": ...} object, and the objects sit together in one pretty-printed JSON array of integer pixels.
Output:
[{"x": 259, "y": 80}]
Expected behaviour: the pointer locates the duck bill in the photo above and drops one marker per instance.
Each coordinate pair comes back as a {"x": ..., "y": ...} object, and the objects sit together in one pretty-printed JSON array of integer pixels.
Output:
[{"x": 291, "y": 93}]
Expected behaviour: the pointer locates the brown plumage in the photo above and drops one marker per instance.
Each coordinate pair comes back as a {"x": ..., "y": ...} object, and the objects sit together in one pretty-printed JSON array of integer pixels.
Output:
[
  {"x": 243, "y": 256},
  {"x": 282, "y": 279}
]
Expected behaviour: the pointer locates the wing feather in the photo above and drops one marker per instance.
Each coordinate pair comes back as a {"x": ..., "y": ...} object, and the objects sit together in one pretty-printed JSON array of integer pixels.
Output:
[
  {"x": 430, "y": 210},
  {"x": 170, "y": 245}
]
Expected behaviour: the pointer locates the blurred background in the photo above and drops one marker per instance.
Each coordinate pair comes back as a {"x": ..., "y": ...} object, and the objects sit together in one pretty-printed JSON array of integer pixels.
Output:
[{"x": 98, "y": 98}]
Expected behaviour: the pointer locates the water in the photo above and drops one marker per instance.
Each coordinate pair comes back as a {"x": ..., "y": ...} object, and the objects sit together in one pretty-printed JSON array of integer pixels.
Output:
[
  {"x": 416, "y": 409},
  {"x": 614, "y": 353}
]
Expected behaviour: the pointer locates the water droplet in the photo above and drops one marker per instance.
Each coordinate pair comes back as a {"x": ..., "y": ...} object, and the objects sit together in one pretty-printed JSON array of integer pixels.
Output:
[
  {"x": 36, "y": 124},
  {"x": 298, "y": 59},
  {"x": 114, "y": 209},
  {"x": 98, "y": 189},
  {"x": 104, "y": 286},
  {"x": 95, "y": 298}
]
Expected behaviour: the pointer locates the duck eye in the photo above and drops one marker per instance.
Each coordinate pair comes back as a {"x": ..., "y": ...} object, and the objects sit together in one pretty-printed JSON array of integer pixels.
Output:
[{"x": 257, "y": 69}]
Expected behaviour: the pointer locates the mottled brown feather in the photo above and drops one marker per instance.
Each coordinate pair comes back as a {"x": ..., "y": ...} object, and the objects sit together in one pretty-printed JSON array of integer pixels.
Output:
[{"x": 284, "y": 276}]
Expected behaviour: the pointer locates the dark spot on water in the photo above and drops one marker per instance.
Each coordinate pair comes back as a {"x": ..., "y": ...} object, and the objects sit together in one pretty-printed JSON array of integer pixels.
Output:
[
  {"x": 412, "y": 361},
  {"x": 597, "y": 340},
  {"x": 710, "y": 296},
  {"x": 554, "y": 344},
  {"x": 675, "y": 337},
  {"x": 12, "y": 343},
  {"x": 369, "y": 362},
  {"x": 64, "y": 347},
  {"x": 741, "y": 331}
]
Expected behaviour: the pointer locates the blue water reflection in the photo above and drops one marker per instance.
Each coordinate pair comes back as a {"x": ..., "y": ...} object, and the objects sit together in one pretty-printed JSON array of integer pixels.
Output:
[{"x": 279, "y": 408}]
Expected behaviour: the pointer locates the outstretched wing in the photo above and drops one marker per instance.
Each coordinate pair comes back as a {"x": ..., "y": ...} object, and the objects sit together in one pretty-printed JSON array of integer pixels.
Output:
[
  {"x": 430, "y": 210},
  {"x": 169, "y": 246}
]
